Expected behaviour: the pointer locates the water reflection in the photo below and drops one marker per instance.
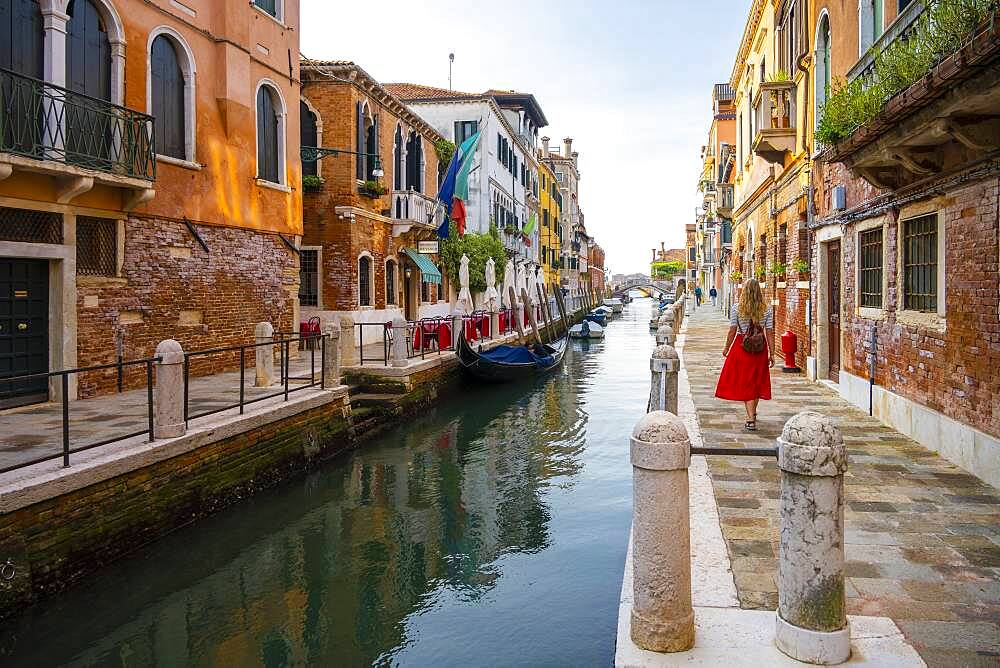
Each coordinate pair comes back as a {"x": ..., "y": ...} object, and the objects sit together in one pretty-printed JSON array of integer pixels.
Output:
[{"x": 326, "y": 570}]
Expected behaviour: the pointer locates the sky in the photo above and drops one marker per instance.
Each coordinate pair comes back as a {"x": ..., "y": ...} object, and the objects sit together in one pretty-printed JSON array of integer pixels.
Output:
[{"x": 629, "y": 80}]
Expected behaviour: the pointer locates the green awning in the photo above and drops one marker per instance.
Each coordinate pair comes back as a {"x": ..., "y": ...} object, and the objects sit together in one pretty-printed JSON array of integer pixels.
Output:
[{"x": 430, "y": 273}]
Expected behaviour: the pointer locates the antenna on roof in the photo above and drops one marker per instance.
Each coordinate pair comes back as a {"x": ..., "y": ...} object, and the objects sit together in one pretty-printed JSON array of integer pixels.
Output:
[{"x": 451, "y": 59}]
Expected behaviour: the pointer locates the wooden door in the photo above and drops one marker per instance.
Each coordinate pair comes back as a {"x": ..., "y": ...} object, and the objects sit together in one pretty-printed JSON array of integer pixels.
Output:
[
  {"x": 24, "y": 330},
  {"x": 833, "y": 309}
]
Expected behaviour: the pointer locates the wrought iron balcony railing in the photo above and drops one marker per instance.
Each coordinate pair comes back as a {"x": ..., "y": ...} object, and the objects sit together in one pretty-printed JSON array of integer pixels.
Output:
[
  {"x": 47, "y": 122},
  {"x": 725, "y": 196}
]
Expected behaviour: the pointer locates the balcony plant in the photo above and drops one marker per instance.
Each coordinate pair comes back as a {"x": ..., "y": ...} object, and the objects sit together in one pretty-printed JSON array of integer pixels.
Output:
[
  {"x": 736, "y": 276},
  {"x": 779, "y": 76},
  {"x": 943, "y": 28},
  {"x": 311, "y": 183},
  {"x": 760, "y": 273},
  {"x": 779, "y": 269},
  {"x": 801, "y": 266},
  {"x": 372, "y": 189}
]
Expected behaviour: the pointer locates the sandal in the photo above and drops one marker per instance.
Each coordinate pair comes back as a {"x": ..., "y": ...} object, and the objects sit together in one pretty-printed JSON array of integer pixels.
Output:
[{"x": 750, "y": 425}]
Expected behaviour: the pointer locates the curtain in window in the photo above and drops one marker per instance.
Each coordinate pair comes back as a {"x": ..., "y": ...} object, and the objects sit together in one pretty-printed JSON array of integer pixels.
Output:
[
  {"x": 267, "y": 135},
  {"x": 167, "y": 86}
]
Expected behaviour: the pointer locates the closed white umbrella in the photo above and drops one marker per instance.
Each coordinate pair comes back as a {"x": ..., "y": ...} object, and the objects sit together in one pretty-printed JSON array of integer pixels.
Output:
[
  {"x": 522, "y": 279},
  {"x": 464, "y": 304},
  {"x": 491, "y": 300},
  {"x": 508, "y": 282}
]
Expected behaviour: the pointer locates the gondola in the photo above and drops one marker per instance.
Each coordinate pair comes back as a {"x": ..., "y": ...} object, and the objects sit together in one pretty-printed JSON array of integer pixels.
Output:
[{"x": 505, "y": 363}]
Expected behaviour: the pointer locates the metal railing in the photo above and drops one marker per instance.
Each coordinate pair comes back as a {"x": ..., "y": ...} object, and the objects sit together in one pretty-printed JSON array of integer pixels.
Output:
[
  {"x": 67, "y": 447},
  {"x": 725, "y": 196},
  {"x": 47, "y": 122},
  {"x": 899, "y": 29},
  {"x": 284, "y": 365}
]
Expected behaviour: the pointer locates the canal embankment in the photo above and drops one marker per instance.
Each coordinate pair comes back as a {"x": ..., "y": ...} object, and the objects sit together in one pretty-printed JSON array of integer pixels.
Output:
[{"x": 59, "y": 524}]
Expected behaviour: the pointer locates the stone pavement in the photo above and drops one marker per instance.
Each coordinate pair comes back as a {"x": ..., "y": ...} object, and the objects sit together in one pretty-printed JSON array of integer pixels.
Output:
[
  {"x": 923, "y": 536},
  {"x": 31, "y": 432}
]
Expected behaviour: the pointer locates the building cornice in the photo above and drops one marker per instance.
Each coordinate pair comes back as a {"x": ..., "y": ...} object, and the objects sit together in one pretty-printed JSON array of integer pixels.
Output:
[{"x": 746, "y": 43}]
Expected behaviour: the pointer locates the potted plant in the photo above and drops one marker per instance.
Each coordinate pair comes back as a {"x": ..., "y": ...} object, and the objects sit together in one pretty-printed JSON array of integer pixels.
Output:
[
  {"x": 779, "y": 269},
  {"x": 760, "y": 273},
  {"x": 736, "y": 276},
  {"x": 372, "y": 189},
  {"x": 311, "y": 183},
  {"x": 801, "y": 266}
]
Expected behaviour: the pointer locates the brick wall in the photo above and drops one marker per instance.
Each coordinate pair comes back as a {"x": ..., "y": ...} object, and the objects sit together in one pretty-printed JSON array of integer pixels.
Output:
[
  {"x": 170, "y": 288},
  {"x": 951, "y": 371}
]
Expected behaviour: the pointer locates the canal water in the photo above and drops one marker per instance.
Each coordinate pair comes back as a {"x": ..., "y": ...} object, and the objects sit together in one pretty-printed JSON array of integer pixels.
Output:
[{"x": 490, "y": 531}]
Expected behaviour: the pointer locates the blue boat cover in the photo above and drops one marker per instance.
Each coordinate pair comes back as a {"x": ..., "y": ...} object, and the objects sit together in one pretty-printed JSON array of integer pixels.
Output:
[{"x": 515, "y": 355}]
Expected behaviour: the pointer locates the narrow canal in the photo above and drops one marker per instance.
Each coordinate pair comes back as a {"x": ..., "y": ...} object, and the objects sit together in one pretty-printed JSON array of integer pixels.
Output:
[{"x": 490, "y": 531}]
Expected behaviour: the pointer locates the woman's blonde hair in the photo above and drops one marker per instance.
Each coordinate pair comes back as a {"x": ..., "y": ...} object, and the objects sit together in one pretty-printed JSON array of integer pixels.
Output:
[{"x": 752, "y": 306}]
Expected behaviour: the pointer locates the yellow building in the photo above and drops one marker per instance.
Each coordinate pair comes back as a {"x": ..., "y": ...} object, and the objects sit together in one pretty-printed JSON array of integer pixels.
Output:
[{"x": 550, "y": 232}]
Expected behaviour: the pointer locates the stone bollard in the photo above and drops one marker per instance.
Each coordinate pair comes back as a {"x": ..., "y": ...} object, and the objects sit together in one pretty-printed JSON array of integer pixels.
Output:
[
  {"x": 811, "y": 622},
  {"x": 665, "y": 334},
  {"x": 664, "y": 365},
  {"x": 494, "y": 324},
  {"x": 662, "y": 616},
  {"x": 331, "y": 369},
  {"x": 348, "y": 351},
  {"x": 398, "y": 341},
  {"x": 168, "y": 394},
  {"x": 264, "y": 354}
]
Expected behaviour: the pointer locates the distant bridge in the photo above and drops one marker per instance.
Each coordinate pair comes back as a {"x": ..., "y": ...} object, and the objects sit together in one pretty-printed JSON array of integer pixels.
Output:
[{"x": 650, "y": 287}]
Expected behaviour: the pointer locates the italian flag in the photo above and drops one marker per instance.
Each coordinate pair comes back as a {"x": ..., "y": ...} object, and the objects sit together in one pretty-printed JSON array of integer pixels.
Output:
[{"x": 454, "y": 191}]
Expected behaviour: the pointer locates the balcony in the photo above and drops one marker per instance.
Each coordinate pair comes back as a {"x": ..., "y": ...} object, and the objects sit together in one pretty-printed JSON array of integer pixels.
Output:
[
  {"x": 79, "y": 139},
  {"x": 774, "y": 113},
  {"x": 725, "y": 203},
  {"x": 414, "y": 209}
]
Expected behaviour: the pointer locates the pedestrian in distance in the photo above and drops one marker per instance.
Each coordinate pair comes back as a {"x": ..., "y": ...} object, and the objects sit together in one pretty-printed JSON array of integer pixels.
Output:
[
  {"x": 749, "y": 353},
  {"x": 714, "y": 294},
  {"x": 697, "y": 295}
]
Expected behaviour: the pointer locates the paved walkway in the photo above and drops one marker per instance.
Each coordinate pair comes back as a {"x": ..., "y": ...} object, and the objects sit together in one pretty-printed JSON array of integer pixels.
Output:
[
  {"x": 923, "y": 536},
  {"x": 32, "y": 432}
]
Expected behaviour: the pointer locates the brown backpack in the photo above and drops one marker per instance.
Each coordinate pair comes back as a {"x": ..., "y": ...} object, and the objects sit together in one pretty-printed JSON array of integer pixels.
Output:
[{"x": 753, "y": 339}]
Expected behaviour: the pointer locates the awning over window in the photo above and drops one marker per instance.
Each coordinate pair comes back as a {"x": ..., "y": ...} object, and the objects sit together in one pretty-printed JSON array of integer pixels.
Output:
[{"x": 430, "y": 273}]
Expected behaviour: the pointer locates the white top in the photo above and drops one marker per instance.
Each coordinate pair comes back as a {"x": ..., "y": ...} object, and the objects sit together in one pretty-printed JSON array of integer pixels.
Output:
[{"x": 743, "y": 323}]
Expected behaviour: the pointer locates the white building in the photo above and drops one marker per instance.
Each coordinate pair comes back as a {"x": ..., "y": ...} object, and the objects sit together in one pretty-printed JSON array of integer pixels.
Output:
[{"x": 503, "y": 183}]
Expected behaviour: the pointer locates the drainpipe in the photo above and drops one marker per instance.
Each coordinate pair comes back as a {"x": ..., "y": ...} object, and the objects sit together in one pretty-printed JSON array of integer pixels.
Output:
[
  {"x": 810, "y": 212},
  {"x": 872, "y": 361}
]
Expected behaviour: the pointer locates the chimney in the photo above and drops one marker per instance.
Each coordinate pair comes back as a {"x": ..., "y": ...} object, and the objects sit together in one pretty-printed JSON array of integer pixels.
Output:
[
  {"x": 568, "y": 147},
  {"x": 654, "y": 255},
  {"x": 545, "y": 147}
]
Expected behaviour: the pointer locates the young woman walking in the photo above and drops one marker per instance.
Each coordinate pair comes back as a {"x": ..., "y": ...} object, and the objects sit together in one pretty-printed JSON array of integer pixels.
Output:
[{"x": 749, "y": 353}]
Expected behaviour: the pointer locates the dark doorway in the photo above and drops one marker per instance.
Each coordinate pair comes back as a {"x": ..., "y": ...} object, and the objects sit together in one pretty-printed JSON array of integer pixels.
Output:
[
  {"x": 833, "y": 308},
  {"x": 24, "y": 330}
]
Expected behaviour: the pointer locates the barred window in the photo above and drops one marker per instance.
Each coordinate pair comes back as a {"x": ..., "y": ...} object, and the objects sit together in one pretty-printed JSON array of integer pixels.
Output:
[
  {"x": 96, "y": 246},
  {"x": 870, "y": 268},
  {"x": 920, "y": 264},
  {"x": 39, "y": 227},
  {"x": 390, "y": 282},
  {"x": 364, "y": 281},
  {"x": 309, "y": 277}
]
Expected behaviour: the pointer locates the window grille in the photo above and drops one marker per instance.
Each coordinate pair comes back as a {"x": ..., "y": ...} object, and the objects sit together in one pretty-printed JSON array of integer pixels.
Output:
[
  {"x": 25, "y": 225},
  {"x": 96, "y": 246},
  {"x": 365, "y": 281},
  {"x": 390, "y": 282},
  {"x": 309, "y": 277},
  {"x": 870, "y": 268},
  {"x": 920, "y": 264}
]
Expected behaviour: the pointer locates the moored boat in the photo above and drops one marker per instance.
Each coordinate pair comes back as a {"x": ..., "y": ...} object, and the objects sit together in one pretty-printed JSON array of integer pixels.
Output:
[
  {"x": 586, "y": 330},
  {"x": 600, "y": 317},
  {"x": 506, "y": 363},
  {"x": 615, "y": 304}
]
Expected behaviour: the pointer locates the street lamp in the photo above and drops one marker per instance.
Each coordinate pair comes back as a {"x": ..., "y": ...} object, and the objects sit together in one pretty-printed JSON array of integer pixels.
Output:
[{"x": 315, "y": 153}]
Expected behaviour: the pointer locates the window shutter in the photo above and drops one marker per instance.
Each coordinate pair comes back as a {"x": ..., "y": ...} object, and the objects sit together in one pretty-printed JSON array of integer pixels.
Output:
[{"x": 360, "y": 159}]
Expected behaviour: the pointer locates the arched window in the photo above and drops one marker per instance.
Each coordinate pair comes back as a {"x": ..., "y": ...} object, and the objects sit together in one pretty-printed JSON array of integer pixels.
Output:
[
  {"x": 270, "y": 135},
  {"x": 308, "y": 136},
  {"x": 21, "y": 37},
  {"x": 415, "y": 162},
  {"x": 88, "y": 72},
  {"x": 167, "y": 91},
  {"x": 367, "y": 138},
  {"x": 390, "y": 283},
  {"x": 364, "y": 281},
  {"x": 822, "y": 68},
  {"x": 397, "y": 160}
]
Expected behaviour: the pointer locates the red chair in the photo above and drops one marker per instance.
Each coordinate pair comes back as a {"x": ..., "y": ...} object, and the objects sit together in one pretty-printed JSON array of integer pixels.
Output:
[
  {"x": 444, "y": 334},
  {"x": 484, "y": 325}
]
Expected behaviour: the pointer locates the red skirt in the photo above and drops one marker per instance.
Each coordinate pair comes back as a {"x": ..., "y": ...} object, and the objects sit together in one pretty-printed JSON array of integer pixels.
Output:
[{"x": 744, "y": 376}]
